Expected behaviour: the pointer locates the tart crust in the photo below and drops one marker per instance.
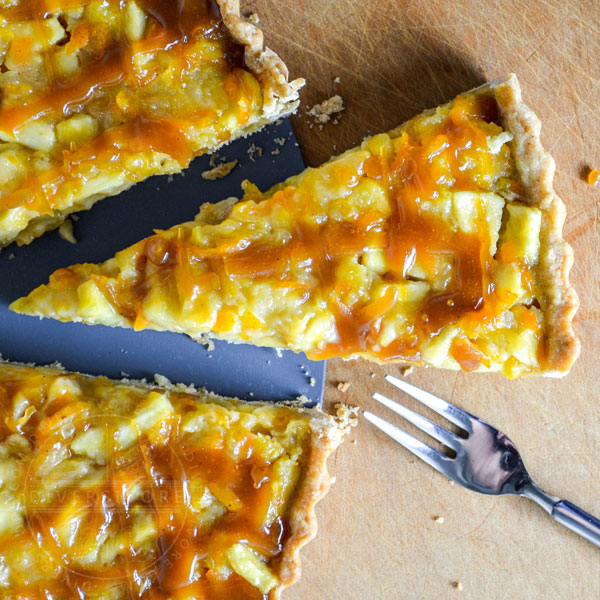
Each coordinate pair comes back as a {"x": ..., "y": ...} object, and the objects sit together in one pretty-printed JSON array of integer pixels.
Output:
[
  {"x": 536, "y": 168},
  {"x": 326, "y": 434}
]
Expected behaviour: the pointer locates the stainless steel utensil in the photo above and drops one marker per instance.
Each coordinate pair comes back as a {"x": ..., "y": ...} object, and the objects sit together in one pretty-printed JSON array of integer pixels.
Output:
[{"x": 486, "y": 460}]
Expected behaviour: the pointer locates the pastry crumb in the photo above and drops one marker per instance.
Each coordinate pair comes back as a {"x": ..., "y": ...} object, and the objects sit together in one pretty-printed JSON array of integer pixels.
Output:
[
  {"x": 343, "y": 386},
  {"x": 405, "y": 370},
  {"x": 11, "y": 256},
  {"x": 278, "y": 352},
  {"x": 438, "y": 519},
  {"x": 322, "y": 112},
  {"x": 219, "y": 171},
  {"x": 312, "y": 382},
  {"x": 354, "y": 442},
  {"x": 373, "y": 375},
  {"x": 276, "y": 151},
  {"x": 253, "y": 18},
  {"x": 337, "y": 80},
  {"x": 66, "y": 231},
  {"x": 253, "y": 150},
  {"x": 346, "y": 416},
  {"x": 457, "y": 585},
  {"x": 593, "y": 177},
  {"x": 279, "y": 140}
]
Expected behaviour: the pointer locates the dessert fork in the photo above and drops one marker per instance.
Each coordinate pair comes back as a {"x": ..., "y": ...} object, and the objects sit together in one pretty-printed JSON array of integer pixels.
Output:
[{"x": 486, "y": 460}]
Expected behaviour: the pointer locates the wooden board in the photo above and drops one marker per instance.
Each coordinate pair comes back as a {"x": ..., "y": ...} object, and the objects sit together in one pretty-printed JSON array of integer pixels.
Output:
[{"x": 377, "y": 535}]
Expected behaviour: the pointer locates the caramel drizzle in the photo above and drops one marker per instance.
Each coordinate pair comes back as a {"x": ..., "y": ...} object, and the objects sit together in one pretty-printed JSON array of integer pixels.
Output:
[{"x": 164, "y": 469}]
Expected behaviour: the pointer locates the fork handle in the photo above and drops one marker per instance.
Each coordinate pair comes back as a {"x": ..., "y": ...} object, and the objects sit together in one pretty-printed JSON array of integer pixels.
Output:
[
  {"x": 577, "y": 520},
  {"x": 564, "y": 512}
]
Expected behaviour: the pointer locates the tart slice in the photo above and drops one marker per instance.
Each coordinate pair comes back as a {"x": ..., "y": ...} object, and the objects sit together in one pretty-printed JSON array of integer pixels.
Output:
[
  {"x": 119, "y": 490},
  {"x": 437, "y": 243},
  {"x": 97, "y": 95}
]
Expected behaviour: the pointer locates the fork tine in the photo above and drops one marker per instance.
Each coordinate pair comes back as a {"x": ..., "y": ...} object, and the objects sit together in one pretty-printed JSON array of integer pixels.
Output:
[
  {"x": 432, "y": 457},
  {"x": 433, "y": 429},
  {"x": 449, "y": 411}
]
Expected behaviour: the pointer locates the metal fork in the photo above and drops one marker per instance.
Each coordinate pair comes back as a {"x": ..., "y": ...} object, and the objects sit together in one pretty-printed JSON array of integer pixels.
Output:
[{"x": 486, "y": 460}]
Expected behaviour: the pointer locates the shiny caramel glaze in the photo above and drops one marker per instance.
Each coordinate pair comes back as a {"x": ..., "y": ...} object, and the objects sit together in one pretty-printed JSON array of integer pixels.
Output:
[
  {"x": 154, "y": 94},
  {"x": 418, "y": 247},
  {"x": 148, "y": 504}
]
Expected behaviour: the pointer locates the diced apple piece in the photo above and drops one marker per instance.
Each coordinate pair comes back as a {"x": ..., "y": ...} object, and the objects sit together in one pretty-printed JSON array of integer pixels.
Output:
[
  {"x": 92, "y": 302},
  {"x": 135, "y": 22},
  {"x": 52, "y": 31},
  {"x": 436, "y": 351},
  {"x": 523, "y": 228},
  {"x": 375, "y": 260},
  {"x": 248, "y": 565},
  {"x": 78, "y": 130},
  {"x": 522, "y": 345},
  {"x": 66, "y": 63},
  {"x": 412, "y": 291},
  {"x": 466, "y": 207},
  {"x": 91, "y": 443},
  {"x": 38, "y": 135},
  {"x": 156, "y": 408},
  {"x": 508, "y": 279},
  {"x": 496, "y": 142},
  {"x": 63, "y": 387},
  {"x": 11, "y": 514}
]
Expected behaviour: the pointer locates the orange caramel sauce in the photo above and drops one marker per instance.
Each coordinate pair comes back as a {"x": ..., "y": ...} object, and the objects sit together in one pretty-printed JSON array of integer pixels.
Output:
[
  {"x": 164, "y": 467},
  {"x": 107, "y": 66}
]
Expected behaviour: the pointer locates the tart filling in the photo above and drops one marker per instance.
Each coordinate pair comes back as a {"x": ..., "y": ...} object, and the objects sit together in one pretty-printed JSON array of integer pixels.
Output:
[
  {"x": 98, "y": 95},
  {"x": 118, "y": 490},
  {"x": 437, "y": 243}
]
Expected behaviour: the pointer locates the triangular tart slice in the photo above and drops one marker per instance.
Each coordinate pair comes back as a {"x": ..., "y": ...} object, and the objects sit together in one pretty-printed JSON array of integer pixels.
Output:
[
  {"x": 118, "y": 489},
  {"x": 98, "y": 95},
  {"x": 437, "y": 243}
]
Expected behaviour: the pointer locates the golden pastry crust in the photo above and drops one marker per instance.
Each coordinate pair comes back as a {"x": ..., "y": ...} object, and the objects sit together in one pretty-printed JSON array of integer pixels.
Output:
[
  {"x": 280, "y": 95},
  {"x": 29, "y": 397},
  {"x": 42, "y": 187},
  {"x": 536, "y": 169}
]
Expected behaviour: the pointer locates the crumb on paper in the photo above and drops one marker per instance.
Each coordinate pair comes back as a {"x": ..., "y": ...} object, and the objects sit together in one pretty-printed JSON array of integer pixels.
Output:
[
  {"x": 11, "y": 256},
  {"x": 337, "y": 80},
  {"x": 251, "y": 394},
  {"x": 124, "y": 375},
  {"x": 276, "y": 151},
  {"x": 312, "y": 382},
  {"x": 219, "y": 171},
  {"x": 280, "y": 141},
  {"x": 253, "y": 18},
  {"x": 354, "y": 442},
  {"x": 593, "y": 177},
  {"x": 405, "y": 370},
  {"x": 278, "y": 352},
  {"x": 457, "y": 585},
  {"x": 452, "y": 482},
  {"x": 438, "y": 519},
  {"x": 254, "y": 149},
  {"x": 373, "y": 375},
  {"x": 322, "y": 112},
  {"x": 343, "y": 386},
  {"x": 213, "y": 159},
  {"x": 66, "y": 231},
  {"x": 332, "y": 480}
]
